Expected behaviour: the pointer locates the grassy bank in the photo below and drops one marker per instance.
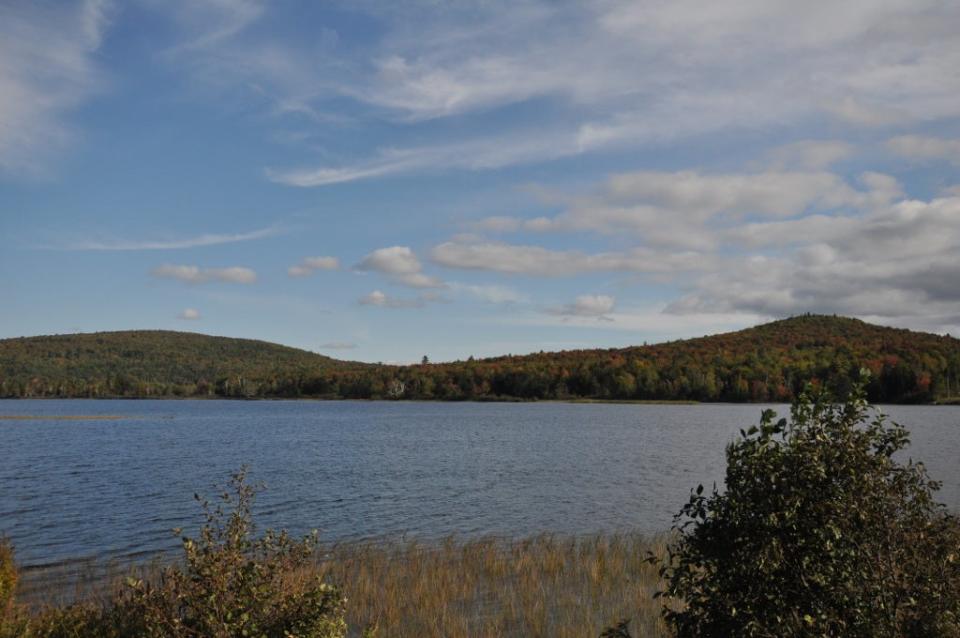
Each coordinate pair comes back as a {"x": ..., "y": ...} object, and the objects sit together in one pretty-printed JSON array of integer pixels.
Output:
[{"x": 541, "y": 586}]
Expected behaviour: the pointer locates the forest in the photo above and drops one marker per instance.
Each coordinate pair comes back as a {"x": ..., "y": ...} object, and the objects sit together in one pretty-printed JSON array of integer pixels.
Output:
[{"x": 770, "y": 362}]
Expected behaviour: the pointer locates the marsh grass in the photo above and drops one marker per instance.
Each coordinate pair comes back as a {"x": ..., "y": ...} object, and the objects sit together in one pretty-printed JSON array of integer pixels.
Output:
[
  {"x": 540, "y": 586},
  {"x": 548, "y": 586}
]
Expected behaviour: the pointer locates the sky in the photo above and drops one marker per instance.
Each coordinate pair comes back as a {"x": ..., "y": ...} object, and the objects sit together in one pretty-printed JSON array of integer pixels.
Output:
[{"x": 381, "y": 181}]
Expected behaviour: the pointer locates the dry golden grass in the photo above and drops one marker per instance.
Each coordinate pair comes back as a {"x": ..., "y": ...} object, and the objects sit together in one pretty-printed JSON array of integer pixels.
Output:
[
  {"x": 541, "y": 586},
  {"x": 546, "y": 586}
]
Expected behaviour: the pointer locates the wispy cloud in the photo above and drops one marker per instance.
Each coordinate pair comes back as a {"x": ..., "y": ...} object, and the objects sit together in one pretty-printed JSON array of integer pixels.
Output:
[
  {"x": 479, "y": 154},
  {"x": 197, "y": 275},
  {"x": 47, "y": 68},
  {"x": 616, "y": 74},
  {"x": 209, "y": 239}
]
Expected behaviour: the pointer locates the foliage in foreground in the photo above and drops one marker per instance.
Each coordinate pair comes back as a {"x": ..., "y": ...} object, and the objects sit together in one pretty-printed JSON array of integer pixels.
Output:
[
  {"x": 229, "y": 584},
  {"x": 820, "y": 532}
]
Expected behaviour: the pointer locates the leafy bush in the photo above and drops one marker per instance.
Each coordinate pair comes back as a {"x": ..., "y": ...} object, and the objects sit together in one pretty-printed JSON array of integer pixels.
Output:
[
  {"x": 820, "y": 532},
  {"x": 230, "y": 584},
  {"x": 8, "y": 574},
  {"x": 12, "y": 622}
]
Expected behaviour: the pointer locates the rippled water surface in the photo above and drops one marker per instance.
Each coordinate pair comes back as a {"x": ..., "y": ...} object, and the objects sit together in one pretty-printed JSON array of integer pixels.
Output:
[{"x": 113, "y": 489}]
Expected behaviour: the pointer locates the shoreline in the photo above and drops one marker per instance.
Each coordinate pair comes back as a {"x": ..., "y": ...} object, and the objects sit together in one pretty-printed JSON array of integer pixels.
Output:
[{"x": 947, "y": 402}]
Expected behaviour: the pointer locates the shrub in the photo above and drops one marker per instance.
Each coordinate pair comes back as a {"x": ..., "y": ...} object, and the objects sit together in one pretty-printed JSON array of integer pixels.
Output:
[
  {"x": 8, "y": 575},
  {"x": 820, "y": 532},
  {"x": 12, "y": 621},
  {"x": 229, "y": 584}
]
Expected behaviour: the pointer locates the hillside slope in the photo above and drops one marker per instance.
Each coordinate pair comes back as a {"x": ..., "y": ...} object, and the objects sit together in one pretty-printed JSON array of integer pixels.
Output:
[
  {"x": 149, "y": 363},
  {"x": 771, "y": 362}
]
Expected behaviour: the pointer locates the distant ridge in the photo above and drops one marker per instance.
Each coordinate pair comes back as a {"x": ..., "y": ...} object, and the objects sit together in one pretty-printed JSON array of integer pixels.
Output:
[
  {"x": 147, "y": 363},
  {"x": 770, "y": 362}
]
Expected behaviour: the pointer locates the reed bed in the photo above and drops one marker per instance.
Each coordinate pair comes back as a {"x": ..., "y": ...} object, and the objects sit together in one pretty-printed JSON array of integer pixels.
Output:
[{"x": 543, "y": 586}]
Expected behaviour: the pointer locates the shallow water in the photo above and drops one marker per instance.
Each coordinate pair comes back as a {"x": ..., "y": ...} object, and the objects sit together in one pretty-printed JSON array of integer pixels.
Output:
[{"x": 113, "y": 489}]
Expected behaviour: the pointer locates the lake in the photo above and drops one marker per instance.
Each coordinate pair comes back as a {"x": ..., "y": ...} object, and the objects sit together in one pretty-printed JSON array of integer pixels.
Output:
[{"x": 113, "y": 489}]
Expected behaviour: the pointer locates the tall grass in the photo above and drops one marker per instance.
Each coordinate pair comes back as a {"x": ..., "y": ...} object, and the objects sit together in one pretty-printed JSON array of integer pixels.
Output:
[
  {"x": 546, "y": 586},
  {"x": 541, "y": 586}
]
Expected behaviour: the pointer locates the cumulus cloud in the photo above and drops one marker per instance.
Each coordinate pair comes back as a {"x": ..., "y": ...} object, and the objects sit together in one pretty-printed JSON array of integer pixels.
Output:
[
  {"x": 895, "y": 263},
  {"x": 765, "y": 244},
  {"x": 309, "y": 265},
  {"x": 586, "y": 306},
  {"x": 691, "y": 210},
  {"x": 189, "y": 314},
  {"x": 47, "y": 68},
  {"x": 926, "y": 148},
  {"x": 400, "y": 265},
  {"x": 197, "y": 275}
]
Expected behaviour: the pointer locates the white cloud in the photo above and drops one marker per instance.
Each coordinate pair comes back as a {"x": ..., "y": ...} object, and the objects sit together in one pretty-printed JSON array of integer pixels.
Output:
[
  {"x": 47, "y": 68},
  {"x": 854, "y": 111},
  {"x": 618, "y": 73},
  {"x": 811, "y": 155},
  {"x": 308, "y": 265},
  {"x": 691, "y": 210},
  {"x": 383, "y": 300},
  {"x": 797, "y": 241},
  {"x": 647, "y": 323},
  {"x": 924, "y": 147},
  {"x": 491, "y": 293},
  {"x": 208, "y": 23},
  {"x": 375, "y": 298},
  {"x": 896, "y": 262},
  {"x": 544, "y": 262},
  {"x": 210, "y": 239},
  {"x": 189, "y": 314},
  {"x": 197, "y": 275},
  {"x": 497, "y": 224},
  {"x": 586, "y": 306},
  {"x": 477, "y": 154},
  {"x": 401, "y": 266}
]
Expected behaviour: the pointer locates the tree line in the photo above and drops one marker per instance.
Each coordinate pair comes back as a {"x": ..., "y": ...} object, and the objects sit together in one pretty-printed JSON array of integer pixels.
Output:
[{"x": 772, "y": 362}]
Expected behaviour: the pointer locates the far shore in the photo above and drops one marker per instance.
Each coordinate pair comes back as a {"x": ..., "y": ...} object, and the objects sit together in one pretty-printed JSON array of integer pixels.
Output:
[{"x": 948, "y": 401}]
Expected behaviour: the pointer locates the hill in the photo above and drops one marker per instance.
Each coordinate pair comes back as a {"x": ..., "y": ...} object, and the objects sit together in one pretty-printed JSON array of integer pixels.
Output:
[
  {"x": 771, "y": 362},
  {"x": 145, "y": 363}
]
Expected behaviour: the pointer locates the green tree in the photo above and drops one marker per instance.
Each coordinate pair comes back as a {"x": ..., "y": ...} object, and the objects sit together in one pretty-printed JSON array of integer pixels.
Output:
[{"x": 819, "y": 532}]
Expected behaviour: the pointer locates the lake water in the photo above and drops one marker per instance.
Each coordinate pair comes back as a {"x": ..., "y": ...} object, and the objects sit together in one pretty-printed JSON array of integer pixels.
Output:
[{"x": 113, "y": 489}]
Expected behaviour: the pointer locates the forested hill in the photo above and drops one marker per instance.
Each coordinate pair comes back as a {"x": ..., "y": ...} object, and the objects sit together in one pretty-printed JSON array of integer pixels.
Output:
[
  {"x": 771, "y": 362},
  {"x": 148, "y": 363}
]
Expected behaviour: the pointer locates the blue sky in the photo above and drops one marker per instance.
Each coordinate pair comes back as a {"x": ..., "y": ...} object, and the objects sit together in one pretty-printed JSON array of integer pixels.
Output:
[{"x": 379, "y": 181}]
